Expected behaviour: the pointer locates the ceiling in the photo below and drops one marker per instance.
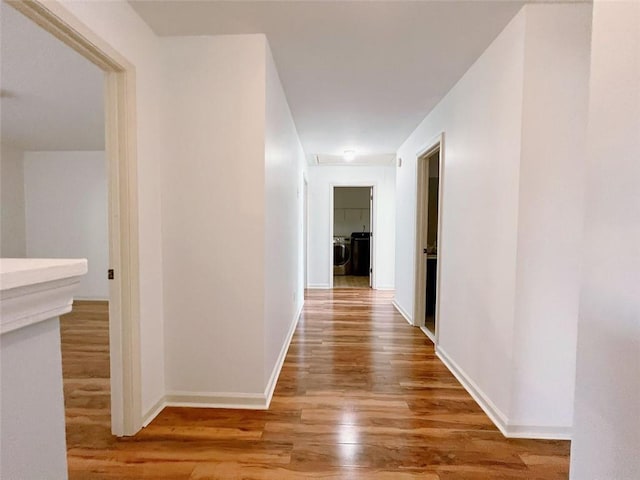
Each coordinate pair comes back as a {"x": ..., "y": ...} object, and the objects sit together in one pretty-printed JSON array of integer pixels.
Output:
[
  {"x": 52, "y": 97},
  {"x": 358, "y": 75}
]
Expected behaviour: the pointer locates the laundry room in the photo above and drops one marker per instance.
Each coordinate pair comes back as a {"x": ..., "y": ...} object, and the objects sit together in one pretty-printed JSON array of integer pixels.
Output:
[{"x": 351, "y": 236}]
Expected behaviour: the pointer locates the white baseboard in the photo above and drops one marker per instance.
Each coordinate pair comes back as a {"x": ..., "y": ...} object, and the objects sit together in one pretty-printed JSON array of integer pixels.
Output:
[
  {"x": 494, "y": 413},
  {"x": 247, "y": 401},
  {"x": 91, "y": 299},
  {"x": 386, "y": 287},
  {"x": 402, "y": 312},
  {"x": 539, "y": 432},
  {"x": 499, "y": 419},
  {"x": 153, "y": 412},
  {"x": 429, "y": 335},
  {"x": 319, "y": 286},
  {"x": 273, "y": 379}
]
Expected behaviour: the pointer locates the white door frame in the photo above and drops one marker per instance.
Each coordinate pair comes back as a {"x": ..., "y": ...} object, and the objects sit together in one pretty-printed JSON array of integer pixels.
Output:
[
  {"x": 120, "y": 142},
  {"x": 373, "y": 227},
  {"x": 371, "y": 261},
  {"x": 305, "y": 230},
  {"x": 420, "y": 270}
]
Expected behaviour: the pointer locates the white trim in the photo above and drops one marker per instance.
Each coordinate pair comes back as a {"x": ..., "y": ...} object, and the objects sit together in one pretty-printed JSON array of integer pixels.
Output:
[
  {"x": 535, "y": 432},
  {"x": 431, "y": 146},
  {"x": 154, "y": 411},
  {"x": 331, "y": 222},
  {"x": 319, "y": 286},
  {"x": 499, "y": 419},
  {"x": 26, "y": 305},
  {"x": 390, "y": 288},
  {"x": 493, "y": 412},
  {"x": 275, "y": 374},
  {"x": 422, "y": 154},
  {"x": 429, "y": 334},
  {"x": 305, "y": 230},
  {"x": 402, "y": 312},
  {"x": 248, "y": 401}
]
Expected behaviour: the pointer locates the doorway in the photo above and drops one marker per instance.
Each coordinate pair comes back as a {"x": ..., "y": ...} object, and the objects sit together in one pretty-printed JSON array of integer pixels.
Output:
[
  {"x": 352, "y": 252},
  {"x": 63, "y": 199},
  {"x": 305, "y": 232},
  {"x": 428, "y": 229},
  {"x": 122, "y": 186}
]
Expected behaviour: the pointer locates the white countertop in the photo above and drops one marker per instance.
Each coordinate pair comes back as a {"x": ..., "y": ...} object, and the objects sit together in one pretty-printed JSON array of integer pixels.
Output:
[{"x": 20, "y": 272}]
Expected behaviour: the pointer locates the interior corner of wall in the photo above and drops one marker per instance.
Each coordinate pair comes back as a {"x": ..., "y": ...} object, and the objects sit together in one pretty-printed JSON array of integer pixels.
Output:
[{"x": 267, "y": 45}]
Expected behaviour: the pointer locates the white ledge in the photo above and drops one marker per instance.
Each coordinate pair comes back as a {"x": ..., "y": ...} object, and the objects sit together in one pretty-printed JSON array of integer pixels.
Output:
[{"x": 35, "y": 289}]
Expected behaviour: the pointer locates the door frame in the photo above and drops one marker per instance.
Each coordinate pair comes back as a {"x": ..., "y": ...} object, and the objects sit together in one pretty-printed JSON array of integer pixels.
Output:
[
  {"x": 120, "y": 148},
  {"x": 420, "y": 269},
  {"x": 372, "y": 227},
  {"x": 305, "y": 230},
  {"x": 371, "y": 208}
]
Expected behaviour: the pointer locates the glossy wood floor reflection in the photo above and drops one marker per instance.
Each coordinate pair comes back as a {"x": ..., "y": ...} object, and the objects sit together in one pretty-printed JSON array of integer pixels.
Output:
[{"x": 361, "y": 396}]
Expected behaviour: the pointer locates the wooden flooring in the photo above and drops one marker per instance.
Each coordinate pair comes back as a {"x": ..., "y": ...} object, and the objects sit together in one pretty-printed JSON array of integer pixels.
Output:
[
  {"x": 361, "y": 396},
  {"x": 350, "y": 281}
]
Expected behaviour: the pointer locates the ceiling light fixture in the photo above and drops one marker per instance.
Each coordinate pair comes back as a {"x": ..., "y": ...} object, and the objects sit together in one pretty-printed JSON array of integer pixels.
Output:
[{"x": 349, "y": 155}]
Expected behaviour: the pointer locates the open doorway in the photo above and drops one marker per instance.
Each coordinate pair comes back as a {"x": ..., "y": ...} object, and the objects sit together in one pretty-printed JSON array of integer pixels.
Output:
[
  {"x": 352, "y": 237},
  {"x": 428, "y": 228},
  {"x": 53, "y": 123},
  {"x": 117, "y": 112}
]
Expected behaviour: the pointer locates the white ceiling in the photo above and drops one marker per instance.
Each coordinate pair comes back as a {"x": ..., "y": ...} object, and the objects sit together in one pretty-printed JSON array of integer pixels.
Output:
[
  {"x": 358, "y": 75},
  {"x": 52, "y": 97}
]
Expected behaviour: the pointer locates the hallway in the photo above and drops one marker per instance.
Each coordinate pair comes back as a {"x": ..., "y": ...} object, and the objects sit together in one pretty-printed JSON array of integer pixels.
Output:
[{"x": 361, "y": 395}]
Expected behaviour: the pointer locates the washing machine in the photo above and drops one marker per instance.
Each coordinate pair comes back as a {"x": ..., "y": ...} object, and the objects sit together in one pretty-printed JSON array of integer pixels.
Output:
[{"x": 341, "y": 256}]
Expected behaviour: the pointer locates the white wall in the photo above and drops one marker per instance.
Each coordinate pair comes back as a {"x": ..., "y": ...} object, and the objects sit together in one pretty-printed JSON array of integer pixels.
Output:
[
  {"x": 32, "y": 414},
  {"x": 214, "y": 217},
  {"x": 67, "y": 214},
  {"x": 124, "y": 30},
  {"x": 232, "y": 225},
  {"x": 283, "y": 270},
  {"x": 12, "y": 223},
  {"x": 321, "y": 181},
  {"x": 512, "y": 204},
  {"x": 606, "y": 438},
  {"x": 556, "y": 83},
  {"x": 481, "y": 118}
]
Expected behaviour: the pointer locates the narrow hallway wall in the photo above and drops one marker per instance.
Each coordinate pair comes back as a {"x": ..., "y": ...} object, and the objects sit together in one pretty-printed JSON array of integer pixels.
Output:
[
  {"x": 511, "y": 219},
  {"x": 606, "y": 438},
  {"x": 213, "y": 207},
  {"x": 284, "y": 166}
]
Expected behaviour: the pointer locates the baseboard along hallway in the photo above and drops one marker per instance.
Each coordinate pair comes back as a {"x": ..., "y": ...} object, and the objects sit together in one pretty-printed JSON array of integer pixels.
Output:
[{"x": 361, "y": 395}]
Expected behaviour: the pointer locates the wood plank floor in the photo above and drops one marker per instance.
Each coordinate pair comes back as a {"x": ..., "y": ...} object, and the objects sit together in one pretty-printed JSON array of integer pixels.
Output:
[{"x": 361, "y": 396}]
